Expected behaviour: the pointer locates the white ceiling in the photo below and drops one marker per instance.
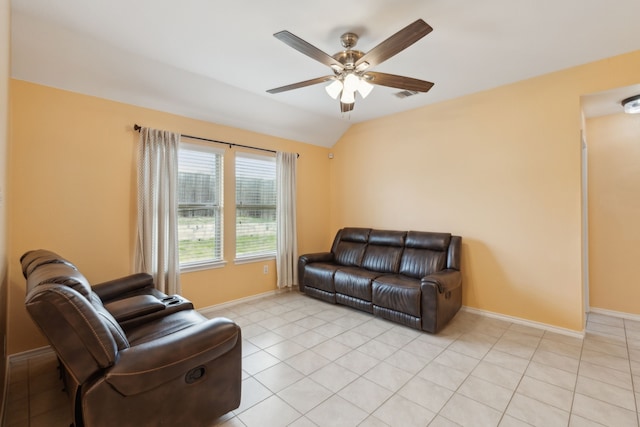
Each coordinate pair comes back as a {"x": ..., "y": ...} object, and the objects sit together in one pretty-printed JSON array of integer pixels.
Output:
[{"x": 214, "y": 60}]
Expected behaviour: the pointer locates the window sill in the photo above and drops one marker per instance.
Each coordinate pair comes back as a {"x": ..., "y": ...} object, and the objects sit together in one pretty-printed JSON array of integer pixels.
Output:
[
  {"x": 198, "y": 266},
  {"x": 257, "y": 258}
]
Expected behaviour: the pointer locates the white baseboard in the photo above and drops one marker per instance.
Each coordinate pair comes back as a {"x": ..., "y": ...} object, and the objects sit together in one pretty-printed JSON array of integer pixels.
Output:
[
  {"x": 563, "y": 331},
  {"x": 525, "y": 322},
  {"x": 18, "y": 357},
  {"x": 26, "y": 355},
  {"x": 613, "y": 313},
  {"x": 216, "y": 307}
]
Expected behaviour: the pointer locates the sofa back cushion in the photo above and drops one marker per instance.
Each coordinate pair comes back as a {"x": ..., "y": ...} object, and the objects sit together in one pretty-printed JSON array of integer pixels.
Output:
[
  {"x": 350, "y": 246},
  {"x": 425, "y": 253},
  {"x": 384, "y": 251}
]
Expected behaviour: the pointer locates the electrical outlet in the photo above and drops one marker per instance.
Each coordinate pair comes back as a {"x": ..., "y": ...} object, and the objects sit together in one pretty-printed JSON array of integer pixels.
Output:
[{"x": 265, "y": 269}]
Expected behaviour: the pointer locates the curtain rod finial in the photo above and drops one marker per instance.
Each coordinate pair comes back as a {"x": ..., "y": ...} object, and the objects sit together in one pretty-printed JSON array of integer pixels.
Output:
[{"x": 137, "y": 127}]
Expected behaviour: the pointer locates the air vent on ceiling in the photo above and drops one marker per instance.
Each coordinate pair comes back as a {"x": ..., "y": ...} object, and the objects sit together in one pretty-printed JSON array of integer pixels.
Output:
[{"x": 406, "y": 93}]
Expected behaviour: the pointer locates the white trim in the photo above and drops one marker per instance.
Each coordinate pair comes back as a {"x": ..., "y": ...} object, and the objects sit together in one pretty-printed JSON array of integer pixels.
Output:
[
  {"x": 268, "y": 157},
  {"x": 255, "y": 258},
  {"x": 525, "y": 322},
  {"x": 18, "y": 357},
  {"x": 205, "y": 148},
  {"x": 213, "y": 308},
  {"x": 26, "y": 355},
  {"x": 198, "y": 266},
  {"x": 612, "y": 313}
]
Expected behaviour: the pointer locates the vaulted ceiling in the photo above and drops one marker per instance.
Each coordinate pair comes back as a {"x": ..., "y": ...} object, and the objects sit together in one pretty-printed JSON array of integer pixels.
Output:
[{"x": 214, "y": 60}]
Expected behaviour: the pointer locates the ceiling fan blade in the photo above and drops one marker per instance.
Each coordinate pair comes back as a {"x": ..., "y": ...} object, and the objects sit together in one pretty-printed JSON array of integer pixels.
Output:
[
  {"x": 396, "y": 43},
  {"x": 400, "y": 82},
  {"x": 345, "y": 108},
  {"x": 301, "y": 84},
  {"x": 308, "y": 49}
]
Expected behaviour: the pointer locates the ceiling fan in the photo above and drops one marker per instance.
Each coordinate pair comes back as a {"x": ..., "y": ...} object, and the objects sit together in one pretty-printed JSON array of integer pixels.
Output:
[{"x": 351, "y": 67}]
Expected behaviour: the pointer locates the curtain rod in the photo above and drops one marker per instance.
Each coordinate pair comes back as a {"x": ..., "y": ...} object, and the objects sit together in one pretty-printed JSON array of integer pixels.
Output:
[{"x": 137, "y": 127}]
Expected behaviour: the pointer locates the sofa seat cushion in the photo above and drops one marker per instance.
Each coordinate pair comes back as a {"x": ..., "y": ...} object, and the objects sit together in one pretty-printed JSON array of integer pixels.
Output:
[
  {"x": 398, "y": 293},
  {"x": 320, "y": 275},
  {"x": 355, "y": 282}
]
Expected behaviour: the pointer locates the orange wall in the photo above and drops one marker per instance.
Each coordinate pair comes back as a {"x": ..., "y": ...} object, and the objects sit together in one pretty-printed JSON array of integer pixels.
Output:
[
  {"x": 614, "y": 212},
  {"x": 501, "y": 168},
  {"x": 5, "y": 48},
  {"x": 72, "y": 190}
]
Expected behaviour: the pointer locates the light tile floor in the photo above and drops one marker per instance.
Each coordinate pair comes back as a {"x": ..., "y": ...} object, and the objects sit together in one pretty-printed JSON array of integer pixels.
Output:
[{"x": 310, "y": 363}]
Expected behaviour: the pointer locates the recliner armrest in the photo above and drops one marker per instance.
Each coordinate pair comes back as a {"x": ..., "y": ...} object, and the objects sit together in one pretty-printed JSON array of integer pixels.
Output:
[
  {"x": 118, "y": 287},
  {"x": 150, "y": 364},
  {"x": 130, "y": 308},
  {"x": 444, "y": 280}
]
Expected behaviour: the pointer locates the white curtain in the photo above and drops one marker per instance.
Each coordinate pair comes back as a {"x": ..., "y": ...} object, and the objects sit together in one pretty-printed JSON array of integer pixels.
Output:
[
  {"x": 287, "y": 245},
  {"x": 156, "y": 249}
]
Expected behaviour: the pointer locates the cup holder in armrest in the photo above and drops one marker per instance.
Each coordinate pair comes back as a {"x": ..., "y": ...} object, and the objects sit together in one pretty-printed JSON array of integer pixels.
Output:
[{"x": 172, "y": 300}]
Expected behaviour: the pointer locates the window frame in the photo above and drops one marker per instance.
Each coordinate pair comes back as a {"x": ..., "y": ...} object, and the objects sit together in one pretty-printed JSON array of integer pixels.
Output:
[
  {"x": 257, "y": 256},
  {"x": 219, "y": 261}
]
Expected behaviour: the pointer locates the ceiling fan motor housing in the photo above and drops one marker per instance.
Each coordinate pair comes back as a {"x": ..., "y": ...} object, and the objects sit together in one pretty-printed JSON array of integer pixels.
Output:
[{"x": 348, "y": 58}]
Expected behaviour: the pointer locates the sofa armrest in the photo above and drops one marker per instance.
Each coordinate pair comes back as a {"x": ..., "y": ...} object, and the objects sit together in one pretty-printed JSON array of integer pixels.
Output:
[
  {"x": 316, "y": 257},
  {"x": 441, "y": 298},
  {"x": 305, "y": 259},
  {"x": 444, "y": 280},
  {"x": 150, "y": 364},
  {"x": 115, "y": 288}
]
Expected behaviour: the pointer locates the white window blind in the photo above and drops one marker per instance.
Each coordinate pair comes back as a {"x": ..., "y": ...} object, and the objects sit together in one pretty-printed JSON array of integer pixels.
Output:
[
  {"x": 199, "y": 205},
  {"x": 255, "y": 205}
]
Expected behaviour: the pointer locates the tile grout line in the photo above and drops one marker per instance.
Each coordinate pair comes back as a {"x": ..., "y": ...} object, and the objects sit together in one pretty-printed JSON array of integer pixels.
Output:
[
  {"x": 633, "y": 385},
  {"x": 575, "y": 385},
  {"x": 519, "y": 382}
]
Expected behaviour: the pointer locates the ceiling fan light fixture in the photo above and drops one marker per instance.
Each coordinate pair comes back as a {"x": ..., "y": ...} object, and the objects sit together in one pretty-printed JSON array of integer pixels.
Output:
[
  {"x": 364, "y": 88},
  {"x": 351, "y": 82},
  {"x": 631, "y": 105},
  {"x": 334, "y": 89},
  {"x": 347, "y": 97}
]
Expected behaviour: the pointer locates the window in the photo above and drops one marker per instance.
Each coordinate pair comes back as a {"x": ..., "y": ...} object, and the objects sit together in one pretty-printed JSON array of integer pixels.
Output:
[
  {"x": 199, "y": 205},
  {"x": 255, "y": 206}
]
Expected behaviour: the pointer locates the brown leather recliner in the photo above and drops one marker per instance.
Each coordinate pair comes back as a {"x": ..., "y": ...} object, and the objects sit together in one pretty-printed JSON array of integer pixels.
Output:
[
  {"x": 172, "y": 368},
  {"x": 132, "y": 299}
]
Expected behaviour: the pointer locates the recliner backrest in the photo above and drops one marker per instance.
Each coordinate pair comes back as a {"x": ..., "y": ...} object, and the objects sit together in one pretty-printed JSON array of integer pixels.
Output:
[
  {"x": 66, "y": 275},
  {"x": 425, "y": 253},
  {"x": 87, "y": 339},
  {"x": 349, "y": 247},
  {"x": 62, "y": 274},
  {"x": 384, "y": 250},
  {"x": 34, "y": 259}
]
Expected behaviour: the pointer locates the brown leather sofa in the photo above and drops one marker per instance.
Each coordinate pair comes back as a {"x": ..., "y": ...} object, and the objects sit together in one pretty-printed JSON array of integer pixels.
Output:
[
  {"x": 139, "y": 364},
  {"x": 410, "y": 277}
]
